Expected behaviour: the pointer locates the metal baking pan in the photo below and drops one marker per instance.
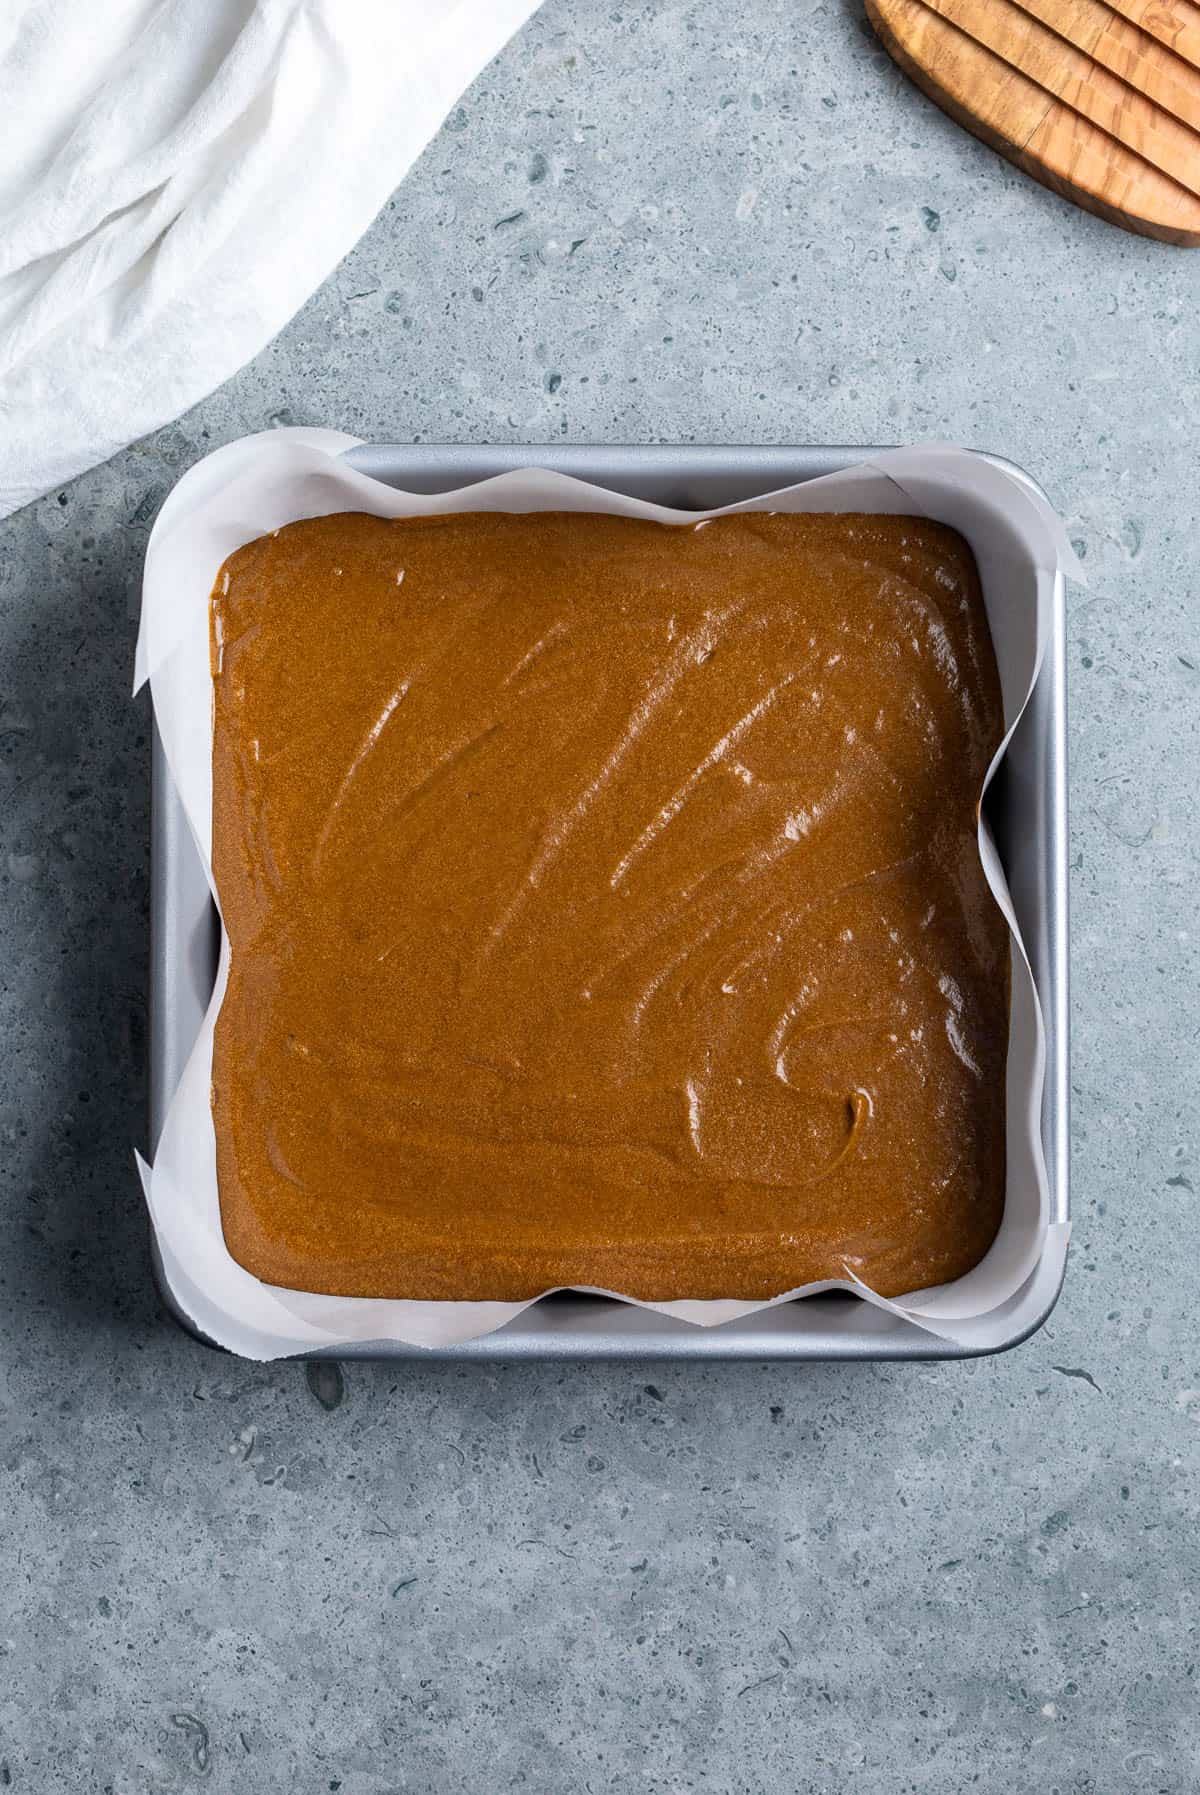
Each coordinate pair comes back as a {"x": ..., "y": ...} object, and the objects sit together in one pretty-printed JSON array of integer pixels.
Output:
[{"x": 1031, "y": 792}]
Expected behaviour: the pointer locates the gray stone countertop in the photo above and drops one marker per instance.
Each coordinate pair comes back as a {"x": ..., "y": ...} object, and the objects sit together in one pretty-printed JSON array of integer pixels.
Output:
[{"x": 645, "y": 222}]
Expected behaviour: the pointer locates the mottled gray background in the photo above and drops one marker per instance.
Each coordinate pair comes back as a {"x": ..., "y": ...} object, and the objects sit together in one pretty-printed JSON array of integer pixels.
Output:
[{"x": 647, "y": 222}]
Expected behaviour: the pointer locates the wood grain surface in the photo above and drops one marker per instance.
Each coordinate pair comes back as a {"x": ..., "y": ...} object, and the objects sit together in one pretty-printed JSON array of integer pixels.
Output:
[{"x": 1098, "y": 99}]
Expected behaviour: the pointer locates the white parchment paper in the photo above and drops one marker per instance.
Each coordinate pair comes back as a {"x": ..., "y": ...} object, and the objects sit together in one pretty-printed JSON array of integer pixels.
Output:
[{"x": 262, "y": 482}]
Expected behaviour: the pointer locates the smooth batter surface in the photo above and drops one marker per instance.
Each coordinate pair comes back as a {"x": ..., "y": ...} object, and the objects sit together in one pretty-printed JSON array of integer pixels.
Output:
[{"x": 605, "y": 906}]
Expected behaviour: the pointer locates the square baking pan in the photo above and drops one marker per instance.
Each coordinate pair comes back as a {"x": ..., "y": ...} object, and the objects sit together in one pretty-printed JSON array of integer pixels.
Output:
[{"x": 1027, "y": 805}]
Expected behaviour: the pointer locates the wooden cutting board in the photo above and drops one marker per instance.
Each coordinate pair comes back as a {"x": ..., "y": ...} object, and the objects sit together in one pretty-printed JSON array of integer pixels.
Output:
[{"x": 1098, "y": 99}]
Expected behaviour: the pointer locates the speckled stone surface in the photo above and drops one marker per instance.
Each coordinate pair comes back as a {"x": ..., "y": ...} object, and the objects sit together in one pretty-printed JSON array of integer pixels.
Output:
[{"x": 645, "y": 222}]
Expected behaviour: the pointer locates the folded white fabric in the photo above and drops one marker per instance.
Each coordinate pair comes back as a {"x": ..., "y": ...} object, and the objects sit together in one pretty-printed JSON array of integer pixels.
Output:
[{"x": 178, "y": 176}]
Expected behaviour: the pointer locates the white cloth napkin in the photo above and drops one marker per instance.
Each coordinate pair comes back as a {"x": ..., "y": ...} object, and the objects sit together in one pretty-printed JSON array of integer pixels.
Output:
[{"x": 177, "y": 177}]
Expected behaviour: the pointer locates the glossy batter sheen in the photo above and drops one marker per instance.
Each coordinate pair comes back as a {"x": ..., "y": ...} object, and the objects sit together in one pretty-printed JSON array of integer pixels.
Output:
[{"x": 605, "y": 906}]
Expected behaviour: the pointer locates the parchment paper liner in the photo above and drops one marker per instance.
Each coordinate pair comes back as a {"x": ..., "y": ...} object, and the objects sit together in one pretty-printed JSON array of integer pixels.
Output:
[{"x": 261, "y": 482}]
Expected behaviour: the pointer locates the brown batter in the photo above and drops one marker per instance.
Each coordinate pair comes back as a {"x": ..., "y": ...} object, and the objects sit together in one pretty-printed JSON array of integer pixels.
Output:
[{"x": 605, "y": 906}]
